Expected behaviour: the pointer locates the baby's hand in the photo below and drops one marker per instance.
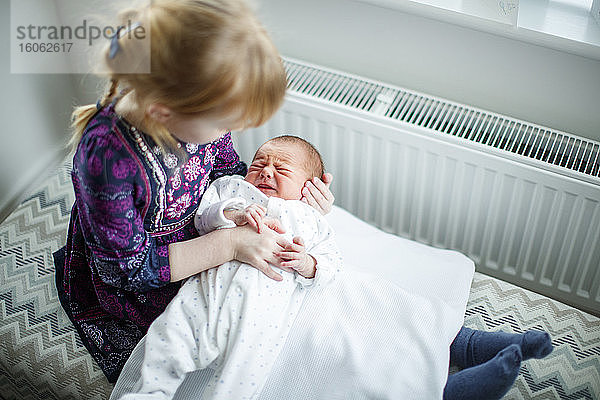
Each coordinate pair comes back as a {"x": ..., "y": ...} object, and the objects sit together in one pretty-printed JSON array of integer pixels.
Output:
[
  {"x": 253, "y": 215},
  {"x": 296, "y": 258}
]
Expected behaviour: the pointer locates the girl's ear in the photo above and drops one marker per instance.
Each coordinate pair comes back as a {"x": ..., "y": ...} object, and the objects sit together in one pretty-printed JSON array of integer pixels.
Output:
[{"x": 159, "y": 112}]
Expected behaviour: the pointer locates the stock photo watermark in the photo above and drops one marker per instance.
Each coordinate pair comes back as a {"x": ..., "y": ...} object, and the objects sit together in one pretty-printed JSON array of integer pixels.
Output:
[{"x": 76, "y": 36}]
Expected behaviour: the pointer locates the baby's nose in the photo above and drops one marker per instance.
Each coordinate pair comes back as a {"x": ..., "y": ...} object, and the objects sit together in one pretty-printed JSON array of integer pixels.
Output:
[{"x": 266, "y": 173}]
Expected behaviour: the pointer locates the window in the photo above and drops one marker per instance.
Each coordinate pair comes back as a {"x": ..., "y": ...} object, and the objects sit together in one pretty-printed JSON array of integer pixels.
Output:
[
  {"x": 582, "y": 4},
  {"x": 503, "y": 11},
  {"x": 566, "y": 25}
]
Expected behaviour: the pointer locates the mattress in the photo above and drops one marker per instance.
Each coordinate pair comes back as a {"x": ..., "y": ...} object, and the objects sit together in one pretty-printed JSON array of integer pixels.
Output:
[{"x": 42, "y": 357}]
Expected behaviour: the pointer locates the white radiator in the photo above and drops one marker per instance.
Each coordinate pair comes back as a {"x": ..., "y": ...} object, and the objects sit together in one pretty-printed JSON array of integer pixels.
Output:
[{"x": 519, "y": 199}]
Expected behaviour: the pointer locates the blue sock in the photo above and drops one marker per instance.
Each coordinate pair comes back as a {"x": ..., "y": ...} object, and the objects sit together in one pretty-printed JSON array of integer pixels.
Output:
[
  {"x": 474, "y": 347},
  {"x": 490, "y": 380}
]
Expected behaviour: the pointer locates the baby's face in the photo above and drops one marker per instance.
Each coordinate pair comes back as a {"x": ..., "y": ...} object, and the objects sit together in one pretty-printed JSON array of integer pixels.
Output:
[{"x": 277, "y": 170}]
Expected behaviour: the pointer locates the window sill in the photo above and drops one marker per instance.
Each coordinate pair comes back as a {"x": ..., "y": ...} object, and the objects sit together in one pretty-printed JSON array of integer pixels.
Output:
[{"x": 544, "y": 23}]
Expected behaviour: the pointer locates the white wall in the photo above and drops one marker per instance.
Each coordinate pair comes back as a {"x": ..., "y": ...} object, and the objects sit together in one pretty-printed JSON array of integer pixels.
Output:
[
  {"x": 530, "y": 82},
  {"x": 35, "y": 116}
]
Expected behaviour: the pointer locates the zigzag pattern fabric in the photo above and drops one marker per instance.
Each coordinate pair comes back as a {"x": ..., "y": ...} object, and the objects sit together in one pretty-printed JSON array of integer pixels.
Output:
[
  {"x": 41, "y": 356},
  {"x": 572, "y": 370}
]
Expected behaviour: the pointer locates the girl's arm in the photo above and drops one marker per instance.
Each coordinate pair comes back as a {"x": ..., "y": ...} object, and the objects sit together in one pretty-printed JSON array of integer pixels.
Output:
[
  {"x": 199, "y": 254},
  {"x": 242, "y": 243}
]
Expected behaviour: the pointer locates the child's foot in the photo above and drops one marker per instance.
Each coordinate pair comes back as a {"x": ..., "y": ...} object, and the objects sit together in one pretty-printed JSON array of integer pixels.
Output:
[
  {"x": 474, "y": 347},
  {"x": 536, "y": 344},
  {"x": 490, "y": 380}
]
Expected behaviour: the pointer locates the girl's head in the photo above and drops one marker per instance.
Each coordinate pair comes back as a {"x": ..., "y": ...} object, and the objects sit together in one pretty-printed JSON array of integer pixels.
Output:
[
  {"x": 282, "y": 165},
  {"x": 210, "y": 59}
]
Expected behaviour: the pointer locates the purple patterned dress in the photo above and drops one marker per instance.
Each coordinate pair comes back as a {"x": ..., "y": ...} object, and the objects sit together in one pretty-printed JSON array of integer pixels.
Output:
[{"x": 132, "y": 200}]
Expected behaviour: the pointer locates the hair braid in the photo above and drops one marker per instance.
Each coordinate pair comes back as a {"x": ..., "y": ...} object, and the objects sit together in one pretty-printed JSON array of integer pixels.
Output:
[
  {"x": 82, "y": 115},
  {"x": 112, "y": 91}
]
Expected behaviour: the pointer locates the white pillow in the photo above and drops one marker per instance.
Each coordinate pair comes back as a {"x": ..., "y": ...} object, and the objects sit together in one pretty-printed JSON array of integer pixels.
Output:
[{"x": 422, "y": 269}]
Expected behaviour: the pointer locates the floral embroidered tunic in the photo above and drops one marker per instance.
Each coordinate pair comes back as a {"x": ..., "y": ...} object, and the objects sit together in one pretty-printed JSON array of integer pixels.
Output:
[{"x": 132, "y": 199}]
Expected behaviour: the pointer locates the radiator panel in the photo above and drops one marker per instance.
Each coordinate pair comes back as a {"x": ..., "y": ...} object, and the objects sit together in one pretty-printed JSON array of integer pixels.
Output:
[{"x": 529, "y": 226}]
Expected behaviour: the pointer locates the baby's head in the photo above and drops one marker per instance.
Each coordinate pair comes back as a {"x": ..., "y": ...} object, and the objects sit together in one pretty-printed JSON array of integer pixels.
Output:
[{"x": 282, "y": 165}]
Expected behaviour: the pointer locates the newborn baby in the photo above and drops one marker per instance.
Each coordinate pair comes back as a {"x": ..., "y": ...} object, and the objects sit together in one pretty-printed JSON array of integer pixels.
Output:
[{"x": 234, "y": 319}]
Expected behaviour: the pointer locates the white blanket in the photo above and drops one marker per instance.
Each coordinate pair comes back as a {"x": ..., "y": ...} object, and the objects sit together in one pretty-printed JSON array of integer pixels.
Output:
[
  {"x": 379, "y": 330},
  {"x": 364, "y": 337}
]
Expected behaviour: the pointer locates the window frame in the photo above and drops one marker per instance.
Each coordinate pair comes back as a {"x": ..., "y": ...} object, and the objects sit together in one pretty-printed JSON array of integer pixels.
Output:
[{"x": 547, "y": 23}]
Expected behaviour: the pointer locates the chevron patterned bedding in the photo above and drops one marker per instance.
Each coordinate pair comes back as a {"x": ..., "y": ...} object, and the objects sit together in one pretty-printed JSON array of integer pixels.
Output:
[{"x": 41, "y": 356}]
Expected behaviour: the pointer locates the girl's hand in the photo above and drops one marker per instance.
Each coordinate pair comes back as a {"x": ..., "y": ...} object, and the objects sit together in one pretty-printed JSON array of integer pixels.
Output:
[
  {"x": 252, "y": 215},
  {"x": 316, "y": 193},
  {"x": 259, "y": 250},
  {"x": 295, "y": 257}
]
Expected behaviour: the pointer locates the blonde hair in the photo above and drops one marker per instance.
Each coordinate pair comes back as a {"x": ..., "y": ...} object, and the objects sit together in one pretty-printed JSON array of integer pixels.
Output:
[{"x": 206, "y": 57}]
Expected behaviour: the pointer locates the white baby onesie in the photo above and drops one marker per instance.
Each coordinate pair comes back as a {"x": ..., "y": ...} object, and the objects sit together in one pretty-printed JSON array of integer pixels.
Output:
[{"x": 234, "y": 319}]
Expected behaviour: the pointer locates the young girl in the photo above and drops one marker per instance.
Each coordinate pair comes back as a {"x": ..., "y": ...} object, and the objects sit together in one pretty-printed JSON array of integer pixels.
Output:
[{"x": 144, "y": 156}]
